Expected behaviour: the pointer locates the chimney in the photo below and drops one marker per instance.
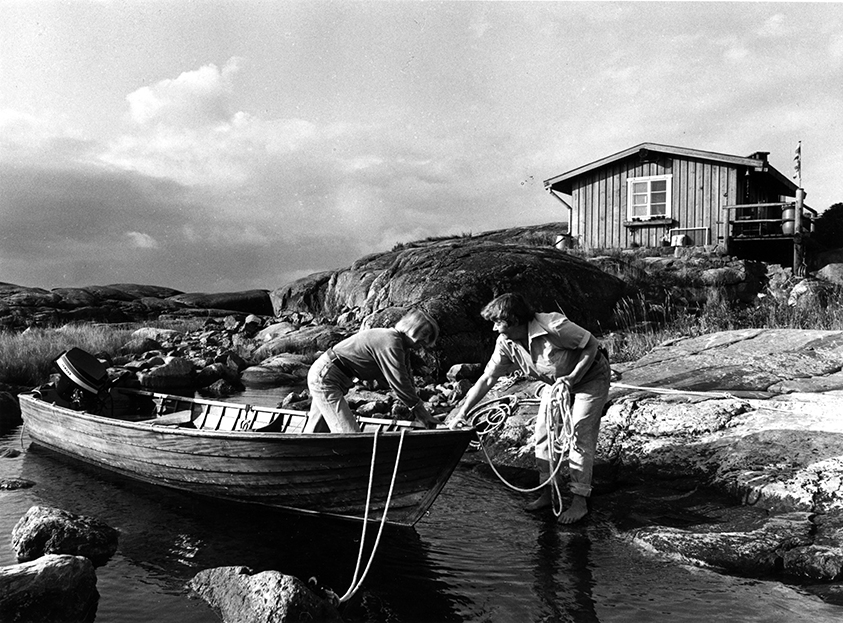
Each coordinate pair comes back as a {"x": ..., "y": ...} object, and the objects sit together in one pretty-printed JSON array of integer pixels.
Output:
[{"x": 760, "y": 155}]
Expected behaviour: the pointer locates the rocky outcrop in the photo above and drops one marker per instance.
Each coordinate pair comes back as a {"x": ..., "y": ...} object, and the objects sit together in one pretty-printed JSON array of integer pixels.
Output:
[
  {"x": 9, "y": 409},
  {"x": 44, "y": 530},
  {"x": 239, "y": 595},
  {"x": 55, "y": 588},
  {"x": 687, "y": 280},
  {"x": 753, "y": 415},
  {"x": 250, "y": 301},
  {"x": 21, "y": 306},
  {"x": 453, "y": 279}
]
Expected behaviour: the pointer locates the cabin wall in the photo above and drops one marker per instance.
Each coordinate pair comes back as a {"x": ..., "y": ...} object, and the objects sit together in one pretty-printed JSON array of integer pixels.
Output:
[{"x": 700, "y": 191}]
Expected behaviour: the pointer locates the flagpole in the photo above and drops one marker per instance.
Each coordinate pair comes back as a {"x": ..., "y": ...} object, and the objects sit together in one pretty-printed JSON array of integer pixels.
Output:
[{"x": 798, "y": 249}]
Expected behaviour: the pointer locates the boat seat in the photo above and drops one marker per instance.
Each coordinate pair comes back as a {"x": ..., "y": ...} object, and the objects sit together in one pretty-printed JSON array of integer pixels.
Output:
[{"x": 179, "y": 418}]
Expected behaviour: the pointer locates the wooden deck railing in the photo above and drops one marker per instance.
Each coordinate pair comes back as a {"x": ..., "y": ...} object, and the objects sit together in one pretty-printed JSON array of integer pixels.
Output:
[{"x": 766, "y": 220}]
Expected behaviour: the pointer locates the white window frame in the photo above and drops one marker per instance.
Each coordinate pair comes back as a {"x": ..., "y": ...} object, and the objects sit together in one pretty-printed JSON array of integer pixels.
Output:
[{"x": 630, "y": 196}]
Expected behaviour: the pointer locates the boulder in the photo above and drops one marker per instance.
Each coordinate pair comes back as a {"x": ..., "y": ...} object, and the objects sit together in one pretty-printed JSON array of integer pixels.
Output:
[
  {"x": 239, "y": 595},
  {"x": 221, "y": 388},
  {"x": 268, "y": 376},
  {"x": 157, "y": 334},
  {"x": 175, "y": 372},
  {"x": 33, "y": 297},
  {"x": 137, "y": 291},
  {"x": 54, "y": 588},
  {"x": 76, "y": 297},
  {"x": 471, "y": 371},
  {"x": 274, "y": 330},
  {"x": 210, "y": 374},
  {"x": 249, "y": 301},
  {"x": 305, "y": 340},
  {"x": 252, "y": 324},
  {"x": 13, "y": 484},
  {"x": 278, "y": 371},
  {"x": 305, "y": 295},
  {"x": 140, "y": 345},
  {"x": 453, "y": 279},
  {"x": 109, "y": 293},
  {"x": 811, "y": 294},
  {"x": 833, "y": 273},
  {"x": 9, "y": 410},
  {"x": 44, "y": 530}
]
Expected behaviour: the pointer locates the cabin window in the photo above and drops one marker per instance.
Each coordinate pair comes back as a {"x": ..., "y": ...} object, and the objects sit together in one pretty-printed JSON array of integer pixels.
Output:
[{"x": 648, "y": 197}]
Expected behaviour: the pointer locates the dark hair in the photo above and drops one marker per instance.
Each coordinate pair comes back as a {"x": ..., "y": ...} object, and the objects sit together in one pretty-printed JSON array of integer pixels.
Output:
[{"x": 511, "y": 308}]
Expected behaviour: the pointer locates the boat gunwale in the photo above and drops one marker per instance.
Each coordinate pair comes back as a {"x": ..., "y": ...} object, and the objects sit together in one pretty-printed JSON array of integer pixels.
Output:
[{"x": 242, "y": 435}]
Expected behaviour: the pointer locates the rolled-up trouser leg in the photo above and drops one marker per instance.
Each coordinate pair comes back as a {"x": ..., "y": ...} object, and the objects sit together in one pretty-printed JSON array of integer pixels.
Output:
[
  {"x": 586, "y": 410},
  {"x": 328, "y": 385}
]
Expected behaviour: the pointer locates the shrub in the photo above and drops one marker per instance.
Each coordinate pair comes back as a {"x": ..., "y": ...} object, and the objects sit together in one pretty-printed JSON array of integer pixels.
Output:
[
  {"x": 828, "y": 227},
  {"x": 641, "y": 326}
]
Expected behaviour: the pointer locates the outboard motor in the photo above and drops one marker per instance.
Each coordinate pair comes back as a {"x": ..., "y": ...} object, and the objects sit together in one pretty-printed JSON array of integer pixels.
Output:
[{"x": 82, "y": 379}]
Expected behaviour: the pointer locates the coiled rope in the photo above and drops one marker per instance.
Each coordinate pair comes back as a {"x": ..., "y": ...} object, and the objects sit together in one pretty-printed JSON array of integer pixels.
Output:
[
  {"x": 355, "y": 583},
  {"x": 490, "y": 415}
]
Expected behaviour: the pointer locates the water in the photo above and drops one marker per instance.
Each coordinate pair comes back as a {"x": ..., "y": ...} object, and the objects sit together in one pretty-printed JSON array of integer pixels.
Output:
[{"x": 477, "y": 557}]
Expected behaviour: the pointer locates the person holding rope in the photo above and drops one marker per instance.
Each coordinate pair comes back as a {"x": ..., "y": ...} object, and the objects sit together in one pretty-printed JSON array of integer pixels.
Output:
[
  {"x": 381, "y": 354},
  {"x": 550, "y": 348}
]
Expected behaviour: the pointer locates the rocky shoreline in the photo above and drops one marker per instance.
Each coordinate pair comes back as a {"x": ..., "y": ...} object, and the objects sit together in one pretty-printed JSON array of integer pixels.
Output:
[
  {"x": 750, "y": 417},
  {"x": 741, "y": 429}
]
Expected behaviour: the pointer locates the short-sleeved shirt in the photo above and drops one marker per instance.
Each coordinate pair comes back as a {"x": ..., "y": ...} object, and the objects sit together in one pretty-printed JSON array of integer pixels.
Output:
[
  {"x": 554, "y": 346},
  {"x": 382, "y": 355}
]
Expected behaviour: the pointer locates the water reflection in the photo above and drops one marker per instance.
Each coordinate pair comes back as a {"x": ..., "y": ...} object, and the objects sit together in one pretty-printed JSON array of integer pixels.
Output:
[
  {"x": 172, "y": 536},
  {"x": 477, "y": 557},
  {"x": 562, "y": 576}
]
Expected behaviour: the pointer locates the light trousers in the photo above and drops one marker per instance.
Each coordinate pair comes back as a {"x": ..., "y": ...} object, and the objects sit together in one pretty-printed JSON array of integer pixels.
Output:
[
  {"x": 589, "y": 399},
  {"x": 328, "y": 387}
]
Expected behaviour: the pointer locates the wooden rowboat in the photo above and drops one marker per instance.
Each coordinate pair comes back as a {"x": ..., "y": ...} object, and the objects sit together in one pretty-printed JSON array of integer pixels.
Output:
[{"x": 252, "y": 454}]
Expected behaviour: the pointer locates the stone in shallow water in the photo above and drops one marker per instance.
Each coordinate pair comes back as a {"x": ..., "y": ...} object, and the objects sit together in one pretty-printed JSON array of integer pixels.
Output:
[{"x": 240, "y": 595}]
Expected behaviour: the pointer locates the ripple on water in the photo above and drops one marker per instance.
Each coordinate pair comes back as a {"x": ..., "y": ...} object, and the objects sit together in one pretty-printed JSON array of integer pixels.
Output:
[{"x": 477, "y": 557}]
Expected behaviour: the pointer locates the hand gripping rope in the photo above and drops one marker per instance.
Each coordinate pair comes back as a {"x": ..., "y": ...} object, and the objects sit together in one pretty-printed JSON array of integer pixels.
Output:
[
  {"x": 490, "y": 415},
  {"x": 355, "y": 583}
]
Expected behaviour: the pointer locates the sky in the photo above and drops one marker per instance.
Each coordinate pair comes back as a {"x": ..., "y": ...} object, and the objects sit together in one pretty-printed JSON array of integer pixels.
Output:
[{"x": 234, "y": 145}]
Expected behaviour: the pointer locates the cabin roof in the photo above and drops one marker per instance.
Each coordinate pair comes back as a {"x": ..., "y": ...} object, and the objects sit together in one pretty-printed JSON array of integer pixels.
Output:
[{"x": 757, "y": 161}]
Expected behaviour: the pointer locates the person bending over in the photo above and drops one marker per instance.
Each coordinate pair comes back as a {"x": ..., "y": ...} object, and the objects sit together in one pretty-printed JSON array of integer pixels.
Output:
[
  {"x": 549, "y": 347},
  {"x": 381, "y": 354}
]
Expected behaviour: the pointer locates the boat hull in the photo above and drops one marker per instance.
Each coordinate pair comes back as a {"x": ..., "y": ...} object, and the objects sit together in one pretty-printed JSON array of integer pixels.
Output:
[{"x": 321, "y": 473}]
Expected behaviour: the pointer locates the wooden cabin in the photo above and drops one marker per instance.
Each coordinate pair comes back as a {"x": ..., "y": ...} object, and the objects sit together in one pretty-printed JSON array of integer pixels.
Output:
[{"x": 658, "y": 195}]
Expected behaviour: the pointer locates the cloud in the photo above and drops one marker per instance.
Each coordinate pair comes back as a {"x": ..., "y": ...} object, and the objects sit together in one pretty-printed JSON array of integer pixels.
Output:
[
  {"x": 775, "y": 26},
  {"x": 228, "y": 200},
  {"x": 194, "y": 98},
  {"x": 141, "y": 240}
]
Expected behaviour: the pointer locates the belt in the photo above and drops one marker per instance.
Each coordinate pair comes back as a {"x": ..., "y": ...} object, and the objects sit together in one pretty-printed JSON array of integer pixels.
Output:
[
  {"x": 602, "y": 353},
  {"x": 339, "y": 363}
]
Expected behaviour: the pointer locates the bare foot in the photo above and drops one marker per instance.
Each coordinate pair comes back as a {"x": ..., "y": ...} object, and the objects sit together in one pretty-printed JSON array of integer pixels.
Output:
[
  {"x": 576, "y": 511},
  {"x": 543, "y": 501}
]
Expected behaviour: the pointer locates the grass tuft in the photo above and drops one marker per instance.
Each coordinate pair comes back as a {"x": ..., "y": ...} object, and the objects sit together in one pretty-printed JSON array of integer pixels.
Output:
[{"x": 26, "y": 358}]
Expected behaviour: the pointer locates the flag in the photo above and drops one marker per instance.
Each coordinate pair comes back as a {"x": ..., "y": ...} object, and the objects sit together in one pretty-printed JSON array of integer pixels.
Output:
[{"x": 797, "y": 163}]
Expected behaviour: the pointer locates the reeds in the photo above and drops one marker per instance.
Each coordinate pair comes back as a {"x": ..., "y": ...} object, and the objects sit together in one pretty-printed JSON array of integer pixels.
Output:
[
  {"x": 26, "y": 358},
  {"x": 640, "y": 325}
]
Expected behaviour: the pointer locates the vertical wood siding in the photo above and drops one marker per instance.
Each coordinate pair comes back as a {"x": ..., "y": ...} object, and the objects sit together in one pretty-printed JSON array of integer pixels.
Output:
[{"x": 700, "y": 191}]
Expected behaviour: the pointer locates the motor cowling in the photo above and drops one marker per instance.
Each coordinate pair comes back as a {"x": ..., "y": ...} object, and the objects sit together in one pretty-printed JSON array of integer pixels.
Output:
[{"x": 82, "y": 379}]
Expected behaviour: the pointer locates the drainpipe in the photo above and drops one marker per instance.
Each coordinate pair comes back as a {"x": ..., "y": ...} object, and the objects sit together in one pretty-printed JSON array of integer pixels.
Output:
[{"x": 567, "y": 206}]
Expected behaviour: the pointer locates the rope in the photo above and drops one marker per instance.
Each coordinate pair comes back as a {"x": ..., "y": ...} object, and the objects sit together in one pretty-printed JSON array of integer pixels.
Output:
[
  {"x": 489, "y": 416},
  {"x": 669, "y": 390},
  {"x": 355, "y": 584},
  {"x": 559, "y": 423}
]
